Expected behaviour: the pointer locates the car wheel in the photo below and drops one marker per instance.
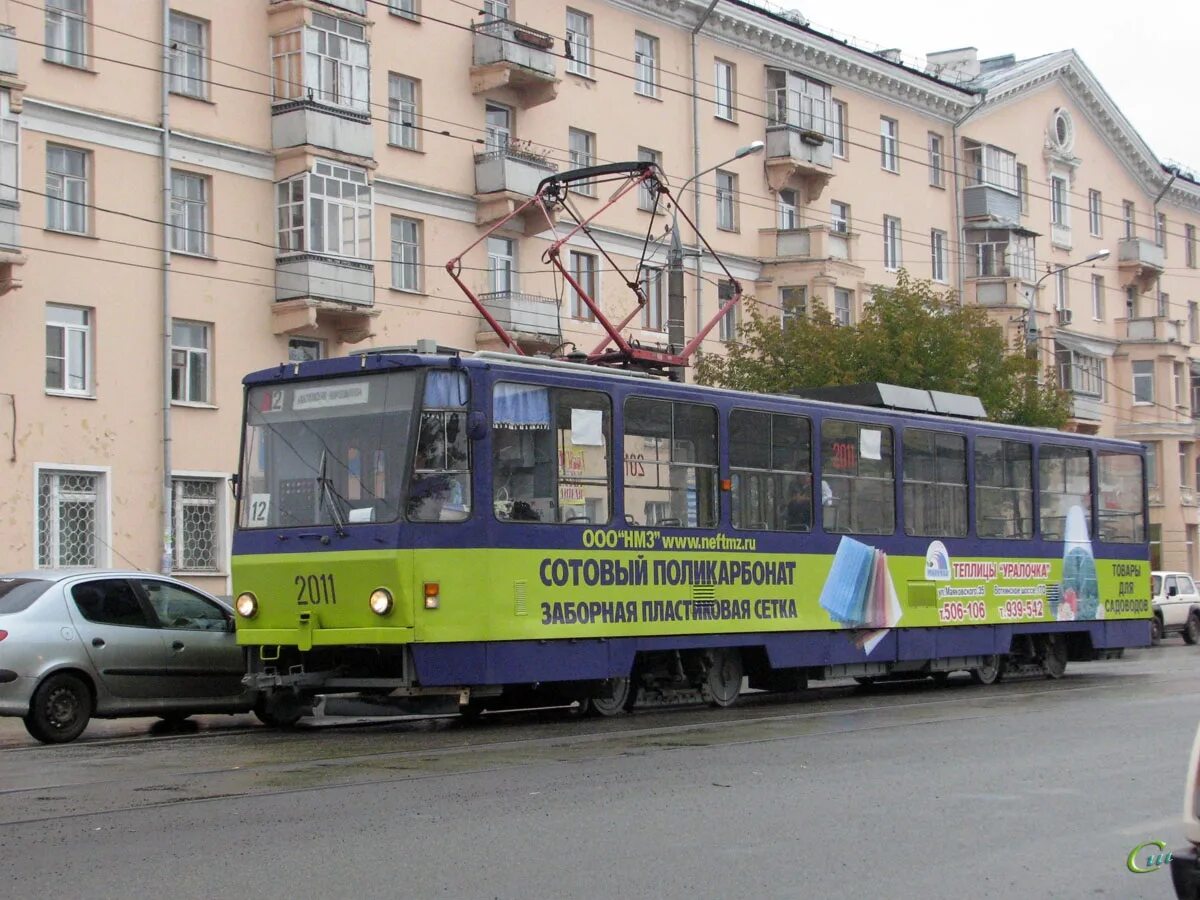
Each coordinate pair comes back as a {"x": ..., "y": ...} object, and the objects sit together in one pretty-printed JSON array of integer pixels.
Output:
[
  {"x": 60, "y": 710},
  {"x": 1156, "y": 630},
  {"x": 1191, "y": 631}
]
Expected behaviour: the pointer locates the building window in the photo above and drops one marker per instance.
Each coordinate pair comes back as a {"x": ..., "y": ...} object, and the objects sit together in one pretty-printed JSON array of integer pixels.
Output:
[
  {"x": 838, "y": 128},
  {"x": 495, "y": 9},
  {"x": 793, "y": 304},
  {"x": 725, "y": 79},
  {"x": 403, "y": 108},
  {"x": 583, "y": 153},
  {"x": 68, "y": 350},
  {"x": 498, "y": 127},
  {"x": 936, "y": 166},
  {"x": 1179, "y": 384},
  {"x": 839, "y": 217},
  {"x": 582, "y": 267},
  {"x": 66, "y": 32},
  {"x": 843, "y": 306},
  {"x": 66, "y": 189},
  {"x": 1023, "y": 188},
  {"x": 1128, "y": 214},
  {"x": 326, "y": 62},
  {"x": 891, "y": 243},
  {"x": 1080, "y": 373},
  {"x": 405, "y": 9},
  {"x": 1095, "y": 218},
  {"x": 645, "y": 64},
  {"x": 502, "y": 265},
  {"x": 189, "y": 56},
  {"x": 1151, "y": 464},
  {"x": 889, "y": 142},
  {"x": 1098, "y": 298},
  {"x": 647, "y": 199},
  {"x": 653, "y": 313},
  {"x": 305, "y": 349},
  {"x": 1193, "y": 322},
  {"x": 189, "y": 213},
  {"x": 1164, "y": 305},
  {"x": 1143, "y": 381},
  {"x": 799, "y": 102},
  {"x": 990, "y": 165},
  {"x": 1160, "y": 231},
  {"x": 937, "y": 247},
  {"x": 10, "y": 150},
  {"x": 71, "y": 519},
  {"x": 789, "y": 211},
  {"x": 726, "y": 201},
  {"x": 335, "y": 220},
  {"x": 1189, "y": 244},
  {"x": 406, "y": 254},
  {"x": 1058, "y": 201},
  {"x": 579, "y": 43},
  {"x": 196, "y": 524},
  {"x": 189, "y": 362},
  {"x": 729, "y": 323},
  {"x": 1061, "y": 286}
]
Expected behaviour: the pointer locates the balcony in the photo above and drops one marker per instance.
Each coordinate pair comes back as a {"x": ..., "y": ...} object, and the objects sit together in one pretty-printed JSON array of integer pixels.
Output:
[
  {"x": 507, "y": 177},
  {"x": 508, "y": 55},
  {"x": 8, "y": 49},
  {"x": 296, "y": 123},
  {"x": 799, "y": 159},
  {"x": 1153, "y": 328},
  {"x": 812, "y": 242},
  {"x": 530, "y": 320},
  {"x": 985, "y": 201},
  {"x": 313, "y": 291},
  {"x": 1086, "y": 408},
  {"x": 1140, "y": 262}
]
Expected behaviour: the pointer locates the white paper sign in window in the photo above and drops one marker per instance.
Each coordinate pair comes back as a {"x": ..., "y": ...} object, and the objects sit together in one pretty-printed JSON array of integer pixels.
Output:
[
  {"x": 869, "y": 443},
  {"x": 260, "y": 510},
  {"x": 587, "y": 427}
]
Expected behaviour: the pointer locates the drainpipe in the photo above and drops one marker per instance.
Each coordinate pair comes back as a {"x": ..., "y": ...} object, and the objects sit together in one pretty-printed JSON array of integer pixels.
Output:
[
  {"x": 959, "y": 231},
  {"x": 696, "y": 163},
  {"x": 167, "y": 548}
]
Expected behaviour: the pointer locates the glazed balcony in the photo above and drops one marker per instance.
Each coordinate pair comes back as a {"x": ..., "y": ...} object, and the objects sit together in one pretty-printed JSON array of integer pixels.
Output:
[
  {"x": 1140, "y": 262},
  {"x": 506, "y": 177},
  {"x": 508, "y": 55},
  {"x": 532, "y": 321}
]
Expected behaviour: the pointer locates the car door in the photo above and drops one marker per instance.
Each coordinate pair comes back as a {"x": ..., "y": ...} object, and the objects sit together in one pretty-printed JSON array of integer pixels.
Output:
[
  {"x": 1174, "y": 611},
  {"x": 1187, "y": 596},
  {"x": 203, "y": 659},
  {"x": 122, "y": 641}
]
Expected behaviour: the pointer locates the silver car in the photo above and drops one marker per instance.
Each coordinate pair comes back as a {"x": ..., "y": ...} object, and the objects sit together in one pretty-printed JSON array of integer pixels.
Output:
[{"x": 74, "y": 645}]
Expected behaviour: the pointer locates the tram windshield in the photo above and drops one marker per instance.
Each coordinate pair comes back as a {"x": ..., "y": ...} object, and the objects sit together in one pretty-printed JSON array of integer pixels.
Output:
[{"x": 329, "y": 452}]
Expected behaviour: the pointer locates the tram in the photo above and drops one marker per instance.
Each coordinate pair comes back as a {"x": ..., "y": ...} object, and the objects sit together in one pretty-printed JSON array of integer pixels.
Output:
[{"x": 492, "y": 529}]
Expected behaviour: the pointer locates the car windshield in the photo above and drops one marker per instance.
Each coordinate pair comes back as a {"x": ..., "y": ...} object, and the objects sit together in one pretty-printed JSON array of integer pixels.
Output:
[
  {"x": 328, "y": 452},
  {"x": 17, "y": 594},
  {"x": 1155, "y": 585}
]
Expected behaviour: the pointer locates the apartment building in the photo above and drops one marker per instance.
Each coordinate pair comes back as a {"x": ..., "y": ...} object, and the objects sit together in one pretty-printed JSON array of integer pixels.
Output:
[{"x": 196, "y": 189}]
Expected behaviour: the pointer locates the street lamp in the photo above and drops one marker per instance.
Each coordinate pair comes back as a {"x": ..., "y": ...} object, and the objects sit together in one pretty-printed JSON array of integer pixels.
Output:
[
  {"x": 675, "y": 298},
  {"x": 1031, "y": 329}
]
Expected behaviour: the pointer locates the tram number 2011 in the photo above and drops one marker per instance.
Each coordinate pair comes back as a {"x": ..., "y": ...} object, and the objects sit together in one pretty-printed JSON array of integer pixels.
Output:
[{"x": 315, "y": 590}]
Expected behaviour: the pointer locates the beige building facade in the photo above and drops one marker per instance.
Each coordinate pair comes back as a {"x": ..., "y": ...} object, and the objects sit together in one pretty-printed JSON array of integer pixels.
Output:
[{"x": 196, "y": 189}]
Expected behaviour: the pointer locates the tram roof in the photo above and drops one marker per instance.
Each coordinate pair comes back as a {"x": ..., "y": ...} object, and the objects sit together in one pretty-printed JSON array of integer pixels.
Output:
[{"x": 383, "y": 358}]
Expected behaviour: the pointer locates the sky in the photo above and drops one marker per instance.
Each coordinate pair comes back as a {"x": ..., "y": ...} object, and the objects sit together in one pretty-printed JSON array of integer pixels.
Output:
[{"x": 1144, "y": 54}]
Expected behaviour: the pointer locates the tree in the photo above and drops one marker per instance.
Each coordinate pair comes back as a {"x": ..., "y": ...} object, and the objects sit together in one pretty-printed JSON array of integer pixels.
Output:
[{"x": 910, "y": 335}]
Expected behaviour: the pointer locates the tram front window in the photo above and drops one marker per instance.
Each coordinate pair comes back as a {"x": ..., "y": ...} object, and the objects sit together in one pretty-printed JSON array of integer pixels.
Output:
[{"x": 327, "y": 452}]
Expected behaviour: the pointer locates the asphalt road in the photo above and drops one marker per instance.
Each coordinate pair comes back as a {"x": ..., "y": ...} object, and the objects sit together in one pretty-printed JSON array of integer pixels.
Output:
[{"x": 1028, "y": 789}]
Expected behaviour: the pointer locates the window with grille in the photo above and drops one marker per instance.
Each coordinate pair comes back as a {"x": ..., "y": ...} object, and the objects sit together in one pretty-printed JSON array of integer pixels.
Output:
[
  {"x": 402, "y": 111},
  {"x": 336, "y": 220},
  {"x": 189, "y": 56},
  {"x": 68, "y": 349},
  {"x": 579, "y": 43},
  {"x": 70, "y": 519},
  {"x": 189, "y": 213},
  {"x": 645, "y": 64},
  {"x": 66, "y": 189},
  {"x": 325, "y": 62},
  {"x": 196, "y": 523},
  {"x": 406, "y": 254},
  {"x": 66, "y": 32},
  {"x": 189, "y": 362}
]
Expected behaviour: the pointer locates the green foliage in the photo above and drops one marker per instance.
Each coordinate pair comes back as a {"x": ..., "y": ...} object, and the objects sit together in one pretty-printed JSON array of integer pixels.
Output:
[{"x": 911, "y": 335}]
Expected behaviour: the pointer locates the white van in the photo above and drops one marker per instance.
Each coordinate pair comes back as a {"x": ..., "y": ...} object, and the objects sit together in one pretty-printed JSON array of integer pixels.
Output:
[{"x": 1176, "y": 606}]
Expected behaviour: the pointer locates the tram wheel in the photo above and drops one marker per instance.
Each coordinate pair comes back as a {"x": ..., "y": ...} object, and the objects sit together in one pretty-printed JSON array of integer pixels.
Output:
[
  {"x": 1054, "y": 655},
  {"x": 864, "y": 680},
  {"x": 722, "y": 680},
  {"x": 618, "y": 698},
  {"x": 991, "y": 672},
  {"x": 940, "y": 678}
]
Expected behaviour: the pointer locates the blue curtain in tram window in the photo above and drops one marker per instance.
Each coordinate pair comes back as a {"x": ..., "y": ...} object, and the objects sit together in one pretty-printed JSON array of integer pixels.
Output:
[
  {"x": 445, "y": 390},
  {"x": 521, "y": 407}
]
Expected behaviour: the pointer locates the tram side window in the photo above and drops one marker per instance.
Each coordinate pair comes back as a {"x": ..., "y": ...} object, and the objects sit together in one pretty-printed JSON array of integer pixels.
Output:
[
  {"x": 670, "y": 464},
  {"x": 1122, "y": 519},
  {"x": 1003, "y": 488},
  {"x": 935, "y": 483},
  {"x": 440, "y": 490},
  {"x": 771, "y": 471},
  {"x": 858, "y": 482},
  {"x": 1064, "y": 486},
  {"x": 550, "y": 455}
]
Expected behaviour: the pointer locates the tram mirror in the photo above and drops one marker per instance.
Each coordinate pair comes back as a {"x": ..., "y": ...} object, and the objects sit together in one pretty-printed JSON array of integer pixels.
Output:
[{"x": 476, "y": 426}]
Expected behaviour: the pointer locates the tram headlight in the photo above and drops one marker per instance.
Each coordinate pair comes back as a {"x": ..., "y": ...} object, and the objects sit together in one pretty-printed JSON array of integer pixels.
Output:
[
  {"x": 246, "y": 605},
  {"x": 381, "y": 601}
]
